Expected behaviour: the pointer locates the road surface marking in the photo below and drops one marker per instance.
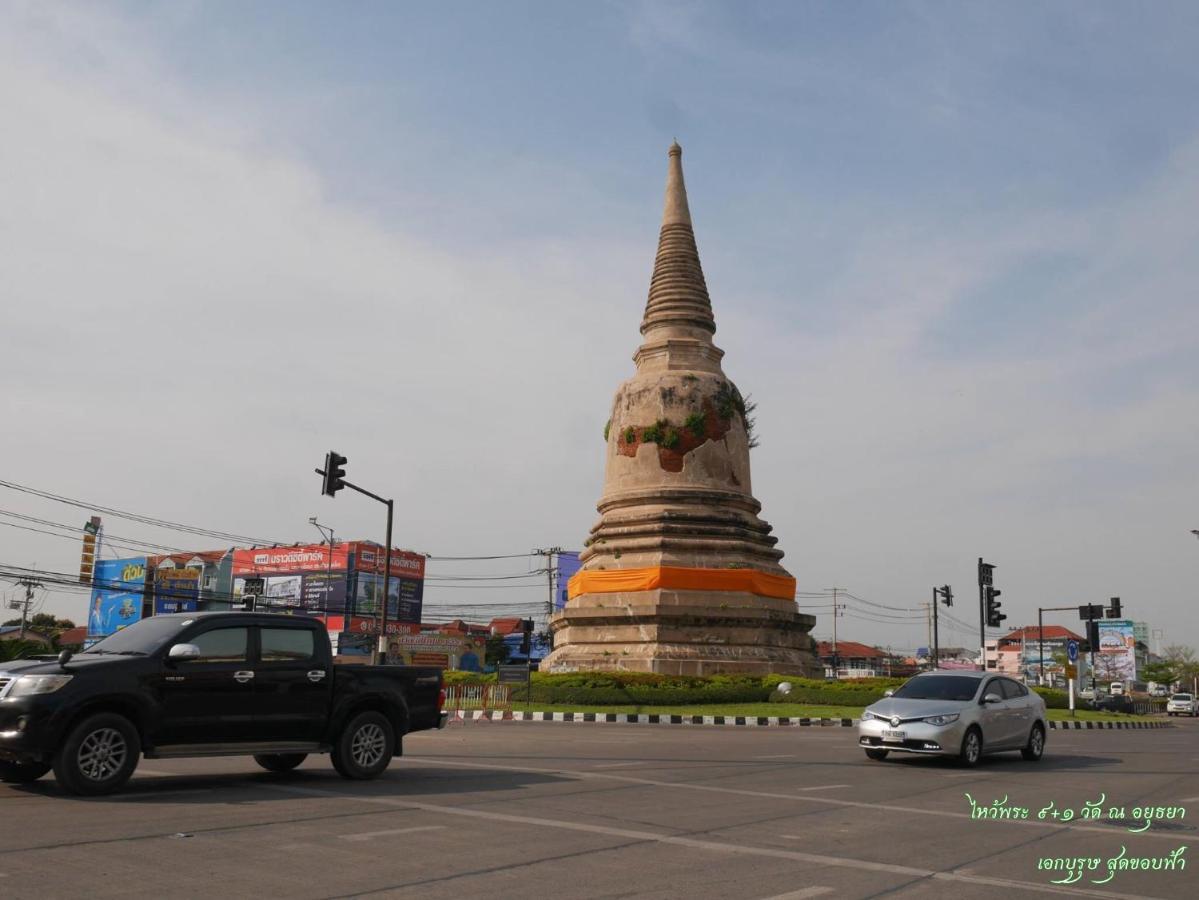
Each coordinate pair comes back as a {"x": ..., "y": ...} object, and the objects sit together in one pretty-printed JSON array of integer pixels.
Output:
[
  {"x": 368, "y": 835},
  {"x": 824, "y": 787},
  {"x": 743, "y": 792},
  {"x": 814, "y": 891},
  {"x": 707, "y": 847},
  {"x": 778, "y": 756},
  {"x": 154, "y": 773},
  {"x": 1188, "y": 799},
  {"x": 618, "y": 765}
]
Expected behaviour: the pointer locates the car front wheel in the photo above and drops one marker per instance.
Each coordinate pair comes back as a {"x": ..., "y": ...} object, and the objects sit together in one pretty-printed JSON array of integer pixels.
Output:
[
  {"x": 365, "y": 746},
  {"x": 22, "y": 773},
  {"x": 1035, "y": 747},
  {"x": 972, "y": 748},
  {"x": 98, "y": 756},
  {"x": 878, "y": 755}
]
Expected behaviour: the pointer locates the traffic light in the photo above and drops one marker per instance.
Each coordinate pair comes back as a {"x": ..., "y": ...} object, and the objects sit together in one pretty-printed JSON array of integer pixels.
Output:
[
  {"x": 994, "y": 616},
  {"x": 947, "y": 594},
  {"x": 526, "y": 642},
  {"x": 1113, "y": 611},
  {"x": 1092, "y": 635},
  {"x": 334, "y": 473}
]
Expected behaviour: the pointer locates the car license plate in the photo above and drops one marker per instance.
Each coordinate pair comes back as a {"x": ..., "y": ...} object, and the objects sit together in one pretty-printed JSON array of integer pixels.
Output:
[{"x": 890, "y": 735}]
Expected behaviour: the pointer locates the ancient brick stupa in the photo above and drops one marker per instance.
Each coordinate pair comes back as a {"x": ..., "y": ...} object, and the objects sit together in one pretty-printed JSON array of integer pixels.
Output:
[{"x": 679, "y": 575}]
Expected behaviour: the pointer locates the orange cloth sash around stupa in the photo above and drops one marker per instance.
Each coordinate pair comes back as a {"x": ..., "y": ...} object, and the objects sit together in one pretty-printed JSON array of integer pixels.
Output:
[{"x": 681, "y": 578}]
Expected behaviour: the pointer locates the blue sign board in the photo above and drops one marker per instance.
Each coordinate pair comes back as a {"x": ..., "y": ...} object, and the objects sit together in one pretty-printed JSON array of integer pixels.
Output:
[
  {"x": 1072, "y": 651},
  {"x": 119, "y": 586}
]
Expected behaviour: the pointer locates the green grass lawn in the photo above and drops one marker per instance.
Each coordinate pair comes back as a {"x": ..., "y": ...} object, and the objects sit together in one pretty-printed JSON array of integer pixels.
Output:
[{"x": 791, "y": 710}]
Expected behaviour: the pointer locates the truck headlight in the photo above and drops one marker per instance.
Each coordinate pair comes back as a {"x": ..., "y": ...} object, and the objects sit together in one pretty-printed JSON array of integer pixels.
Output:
[
  {"x": 942, "y": 720},
  {"x": 28, "y": 685}
]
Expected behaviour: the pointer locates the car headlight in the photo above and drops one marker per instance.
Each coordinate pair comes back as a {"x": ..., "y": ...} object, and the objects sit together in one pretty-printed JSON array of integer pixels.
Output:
[
  {"x": 28, "y": 685},
  {"x": 867, "y": 715},
  {"x": 941, "y": 720}
]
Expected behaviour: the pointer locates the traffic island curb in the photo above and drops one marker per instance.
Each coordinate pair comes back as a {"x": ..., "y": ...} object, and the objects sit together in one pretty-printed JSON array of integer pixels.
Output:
[{"x": 475, "y": 715}]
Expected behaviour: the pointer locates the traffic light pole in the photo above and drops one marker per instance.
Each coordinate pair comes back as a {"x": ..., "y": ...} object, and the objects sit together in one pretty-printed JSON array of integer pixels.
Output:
[
  {"x": 936, "y": 634},
  {"x": 390, "y": 504}
]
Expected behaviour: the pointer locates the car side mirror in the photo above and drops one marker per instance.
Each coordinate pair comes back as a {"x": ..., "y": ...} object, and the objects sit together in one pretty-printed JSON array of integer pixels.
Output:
[
  {"x": 888, "y": 692},
  {"x": 183, "y": 651},
  {"x": 992, "y": 698}
]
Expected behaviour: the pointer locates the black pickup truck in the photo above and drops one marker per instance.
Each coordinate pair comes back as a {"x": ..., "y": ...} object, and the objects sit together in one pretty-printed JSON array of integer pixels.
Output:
[{"x": 206, "y": 684}]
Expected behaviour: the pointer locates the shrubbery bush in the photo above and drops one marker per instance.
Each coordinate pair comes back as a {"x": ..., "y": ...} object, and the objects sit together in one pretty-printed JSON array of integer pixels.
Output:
[{"x": 1055, "y": 699}]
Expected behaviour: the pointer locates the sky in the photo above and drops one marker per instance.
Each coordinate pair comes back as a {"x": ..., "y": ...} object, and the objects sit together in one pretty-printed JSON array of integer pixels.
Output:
[{"x": 950, "y": 249}]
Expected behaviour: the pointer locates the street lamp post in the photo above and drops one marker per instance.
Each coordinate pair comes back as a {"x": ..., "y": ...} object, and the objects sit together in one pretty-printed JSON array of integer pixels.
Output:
[{"x": 329, "y": 559}]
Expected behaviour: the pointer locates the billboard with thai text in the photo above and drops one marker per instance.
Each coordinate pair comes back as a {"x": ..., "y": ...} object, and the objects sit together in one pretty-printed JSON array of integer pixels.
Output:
[
  {"x": 307, "y": 578},
  {"x": 119, "y": 588},
  {"x": 177, "y": 589},
  {"x": 1116, "y": 658}
]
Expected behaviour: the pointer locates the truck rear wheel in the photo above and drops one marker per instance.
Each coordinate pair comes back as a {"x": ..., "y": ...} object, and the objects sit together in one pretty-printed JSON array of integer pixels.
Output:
[
  {"x": 98, "y": 755},
  {"x": 22, "y": 773},
  {"x": 365, "y": 746},
  {"x": 279, "y": 762}
]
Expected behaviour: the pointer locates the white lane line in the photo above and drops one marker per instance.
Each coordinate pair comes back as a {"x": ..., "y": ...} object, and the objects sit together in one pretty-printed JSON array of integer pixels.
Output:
[
  {"x": 618, "y": 765},
  {"x": 964, "y": 774},
  {"x": 743, "y": 792},
  {"x": 1188, "y": 799},
  {"x": 707, "y": 847},
  {"x": 778, "y": 756},
  {"x": 368, "y": 835},
  {"x": 813, "y": 891},
  {"x": 824, "y": 787},
  {"x": 153, "y": 773},
  {"x": 156, "y": 794}
]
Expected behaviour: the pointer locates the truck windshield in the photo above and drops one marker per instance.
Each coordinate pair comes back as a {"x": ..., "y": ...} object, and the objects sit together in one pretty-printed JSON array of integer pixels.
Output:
[
  {"x": 938, "y": 687},
  {"x": 141, "y": 637}
]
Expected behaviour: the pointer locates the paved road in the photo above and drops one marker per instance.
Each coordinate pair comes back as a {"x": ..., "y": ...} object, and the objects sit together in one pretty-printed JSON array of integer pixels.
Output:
[{"x": 498, "y": 810}]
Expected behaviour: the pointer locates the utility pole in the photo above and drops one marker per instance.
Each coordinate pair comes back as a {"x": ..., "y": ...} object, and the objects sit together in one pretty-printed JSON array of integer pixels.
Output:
[
  {"x": 936, "y": 633},
  {"x": 550, "y": 571},
  {"x": 29, "y": 585},
  {"x": 836, "y": 613}
]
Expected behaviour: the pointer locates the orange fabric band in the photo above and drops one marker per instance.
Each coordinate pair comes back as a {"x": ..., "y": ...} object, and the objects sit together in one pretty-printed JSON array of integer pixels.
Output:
[{"x": 604, "y": 581}]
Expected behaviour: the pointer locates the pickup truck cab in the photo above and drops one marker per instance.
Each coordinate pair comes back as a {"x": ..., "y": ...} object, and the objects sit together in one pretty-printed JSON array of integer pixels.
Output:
[{"x": 206, "y": 684}]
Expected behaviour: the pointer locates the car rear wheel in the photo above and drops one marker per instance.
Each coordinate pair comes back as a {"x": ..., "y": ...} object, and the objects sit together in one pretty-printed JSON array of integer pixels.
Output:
[
  {"x": 877, "y": 754},
  {"x": 22, "y": 773},
  {"x": 972, "y": 748},
  {"x": 279, "y": 762},
  {"x": 98, "y": 756},
  {"x": 1036, "y": 744},
  {"x": 365, "y": 746}
]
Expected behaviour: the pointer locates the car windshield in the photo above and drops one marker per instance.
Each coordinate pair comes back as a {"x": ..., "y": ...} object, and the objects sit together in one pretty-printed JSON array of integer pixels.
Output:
[
  {"x": 938, "y": 687},
  {"x": 142, "y": 637}
]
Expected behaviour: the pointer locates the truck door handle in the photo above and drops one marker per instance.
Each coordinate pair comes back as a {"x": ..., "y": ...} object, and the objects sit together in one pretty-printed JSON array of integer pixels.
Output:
[
  {"x": 316, "y": 675},
  {"x": 242, "y": 677}
]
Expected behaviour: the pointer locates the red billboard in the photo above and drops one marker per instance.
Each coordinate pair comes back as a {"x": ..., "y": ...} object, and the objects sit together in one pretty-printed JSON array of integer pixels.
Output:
[
  {"x": 288, "y": 560},
  {"x": 370, "y": 557}
]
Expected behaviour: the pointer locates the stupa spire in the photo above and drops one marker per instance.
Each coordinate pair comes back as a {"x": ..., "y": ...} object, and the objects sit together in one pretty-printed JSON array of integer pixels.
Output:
[{"x": 678, "y": 304}]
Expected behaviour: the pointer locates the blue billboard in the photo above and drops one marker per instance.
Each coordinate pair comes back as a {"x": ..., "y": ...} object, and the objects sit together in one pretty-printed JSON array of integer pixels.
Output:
[
  {"x": 119, "y": 586},
  {"x": 568, "y": 564}
]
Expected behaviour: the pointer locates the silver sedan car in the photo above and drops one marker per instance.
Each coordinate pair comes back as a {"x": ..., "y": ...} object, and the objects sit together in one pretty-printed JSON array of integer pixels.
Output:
[{"x": 962, "y": 714}]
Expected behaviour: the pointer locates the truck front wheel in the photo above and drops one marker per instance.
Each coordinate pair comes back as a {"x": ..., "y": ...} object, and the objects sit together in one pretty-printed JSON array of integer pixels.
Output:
[
  {"x": 98, "y": 755},
  {"x": 365, "y": 746}
]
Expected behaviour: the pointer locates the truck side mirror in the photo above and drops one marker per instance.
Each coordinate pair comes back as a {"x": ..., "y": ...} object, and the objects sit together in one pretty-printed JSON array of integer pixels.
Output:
[{"x": 183, "y": 651}]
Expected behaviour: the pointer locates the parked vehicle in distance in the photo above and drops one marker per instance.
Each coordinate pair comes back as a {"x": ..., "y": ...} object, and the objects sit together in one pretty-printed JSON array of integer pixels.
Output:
[
  {"x": 1117, "y": 687},
  {"x": 1090, "y": 693},
  {"x": 1120, "y": 703},
  {"x": 207, "y": 684},
  {"x": 1183, "y": 704},
  {"x": 964, "y": 715},
  {"x": 1159, "y": 690}
]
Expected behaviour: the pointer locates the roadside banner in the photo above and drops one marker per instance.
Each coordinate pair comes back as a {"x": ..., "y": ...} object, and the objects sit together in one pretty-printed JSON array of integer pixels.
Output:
[{"x": 119, "y": 589}]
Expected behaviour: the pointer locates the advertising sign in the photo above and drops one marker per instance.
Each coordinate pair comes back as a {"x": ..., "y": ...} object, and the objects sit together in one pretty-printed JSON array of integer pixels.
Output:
[
  {"x": 1116, "y": 658},
  {"x": 357, "y": 636},
  {"x": 449, "y": 651},
  {"x": 301, "y": 579},
  {"x": 119, "y": 588},
  {"x": 176, "y": 589},
  {"x": 568, "y": 564},
  {"x": 406, "y": 591}
]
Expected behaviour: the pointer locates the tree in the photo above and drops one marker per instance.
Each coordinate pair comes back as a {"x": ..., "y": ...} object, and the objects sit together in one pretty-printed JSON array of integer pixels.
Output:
[
  {"x": 14, "y": 649},
  {"x": 497, "y": 651},
  {"x": 45, "y": 623},
  {"x": 1164, "y": 672},
  {"x": 1183, "y": 658}
]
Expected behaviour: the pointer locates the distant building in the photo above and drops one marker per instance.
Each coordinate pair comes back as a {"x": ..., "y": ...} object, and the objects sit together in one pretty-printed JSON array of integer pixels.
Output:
[
  {"x": 1020, "y": 653},
  {"x": 852, "y": 660},
  {"x": 13, "y": 633}
]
